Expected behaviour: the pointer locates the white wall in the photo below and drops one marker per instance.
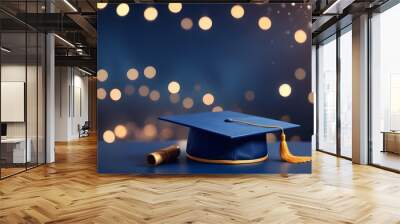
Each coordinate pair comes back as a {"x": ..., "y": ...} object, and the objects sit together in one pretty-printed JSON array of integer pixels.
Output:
[{"x": 71, "y": 102}]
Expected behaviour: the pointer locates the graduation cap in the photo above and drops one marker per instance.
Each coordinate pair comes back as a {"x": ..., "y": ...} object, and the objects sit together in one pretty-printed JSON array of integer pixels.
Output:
[{"x": 232, "y": 138}]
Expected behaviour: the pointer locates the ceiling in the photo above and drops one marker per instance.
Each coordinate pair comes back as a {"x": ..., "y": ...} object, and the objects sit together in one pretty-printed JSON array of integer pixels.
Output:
[{"x": 75, "y": 21}]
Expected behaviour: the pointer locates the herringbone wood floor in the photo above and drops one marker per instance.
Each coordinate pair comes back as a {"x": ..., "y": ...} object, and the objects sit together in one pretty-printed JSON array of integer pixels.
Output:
[{"x": 70, "y": 191}]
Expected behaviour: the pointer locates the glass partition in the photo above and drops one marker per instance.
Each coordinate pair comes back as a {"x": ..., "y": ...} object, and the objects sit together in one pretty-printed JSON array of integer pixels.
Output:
[
  {"x": 22, "y": 92},
  {"x": 346, "y": 93},
  {"x": 327, "y": 96},
  {"x": 385, "y": 89}
]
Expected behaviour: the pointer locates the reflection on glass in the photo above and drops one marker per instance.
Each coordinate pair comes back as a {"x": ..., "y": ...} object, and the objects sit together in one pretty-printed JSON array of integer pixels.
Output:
[
  {"x": 13, "y": 85},
  {"x": 346, "y": 94},
  {"x": 327, "y": 96},
  {"x": 385, "y": 84}
]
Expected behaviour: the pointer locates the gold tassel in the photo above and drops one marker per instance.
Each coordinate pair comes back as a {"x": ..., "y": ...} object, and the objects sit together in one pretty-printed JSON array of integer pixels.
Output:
[{"x": 287, "y": 156}]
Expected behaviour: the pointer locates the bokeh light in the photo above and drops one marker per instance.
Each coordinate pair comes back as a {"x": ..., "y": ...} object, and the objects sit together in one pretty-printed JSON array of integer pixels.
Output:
[
  {"x": 102, "y": 75},
  {"x": 150, "y": 131},
  {"x": 208, "y": 99},
  {"x": 144, "y": 90},
  {"x": 150, "y": 14},
  {"x": 166, "y": 133},
  {"x": 120, "y": 131},
  {"x": 264, "y": 23},
  {"x": 122, "y": 9},
  {"x": 101, "y": 5},
  {"x": 154, "y": 95},
  {"x": 311, "y": 97},
  {"x": 129, "y": 90},
  {"x": 108, "y": 136},
  {"x": 285, "y": 90},
  {"x": 217, "y": 109},
  {"x": 174, "y": 87},
  {"x": 249, "y": 95},
  {"x": 187, "y": 103},
  {"x": 115, "y": 94},
  {"x": 132, "y": 74},
  {"x": 186, "y": 23},
  {"x": 175, "y": 7},
  {"x": 286, "y": 118},
  {"x": 237, "y": 11},
  {"x": 300, "y": 36},
  {"x": 300, "y": 74},
  {"x": 101, "y": 93},
  {"x": 295, "y": 138},
  {"x": 174, "y": 98},
  {"x": 205, "y": 23},
  {"x": 271, "y": 138},
  {"x": 150, "y": 72}
]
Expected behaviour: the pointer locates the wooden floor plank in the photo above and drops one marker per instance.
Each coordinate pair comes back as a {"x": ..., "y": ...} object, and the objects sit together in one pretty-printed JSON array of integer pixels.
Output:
[{"x": 70, "y": 191}]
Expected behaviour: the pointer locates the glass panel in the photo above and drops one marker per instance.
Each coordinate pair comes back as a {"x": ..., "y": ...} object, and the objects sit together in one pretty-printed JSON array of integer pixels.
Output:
[
  {"x": 41, "y": 98},
  {"x": 31, "y": 98},
  {"x": 327, "y": 96},
  {"x": 385, "y": 84},
  {"x": 13, "y": 86},
  {"x": 346, "y": 94}
]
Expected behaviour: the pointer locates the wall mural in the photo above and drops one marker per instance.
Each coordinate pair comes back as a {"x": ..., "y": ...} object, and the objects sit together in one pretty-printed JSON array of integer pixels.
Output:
[{"x": 163, "y": 59}]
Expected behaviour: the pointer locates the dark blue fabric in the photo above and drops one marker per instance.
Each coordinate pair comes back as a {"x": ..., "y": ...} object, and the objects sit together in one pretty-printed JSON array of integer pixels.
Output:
[
  {"x": 215, "y": 123},
  {"x": 130, "y": 158},
  {"x": 206, "y": 145}
]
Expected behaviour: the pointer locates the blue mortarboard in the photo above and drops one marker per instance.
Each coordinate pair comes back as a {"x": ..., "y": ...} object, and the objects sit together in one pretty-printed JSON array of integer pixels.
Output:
[{"x": 227, "y": 137}]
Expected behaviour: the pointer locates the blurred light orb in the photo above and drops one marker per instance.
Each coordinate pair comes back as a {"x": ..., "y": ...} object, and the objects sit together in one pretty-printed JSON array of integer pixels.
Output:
[
  {"x": 132, "y": 74},
  {"x": 120, "y": 131},
  {"x": 101, "y": 93},
  {"x": 175, "y": 7},
  {"x": 285, "y": 118},
  {"x": 271, "y": 138},
  {"x": 237, "y": 11},
  {"x": 108, "y": 136},
  {"x": 154, "y": 95},
  {"x": 174, "y": 87},
  {"x": 311, "y": 97},
  {"x": 150, "y": 14},
  {"x": 264, "y": 23},
  {"x": 129, "y": 90},
  {"x": 186, "y": 23},
  {"x": 150, "y": 131},
  {"x": 188, "y": 103},
  {"x": 122, "y": 9},
  {"x": 300, "y": 74},
  {"x": 115, "y": 94},
  {"x": 174, "y": 98},
  {"x": 249, "y": 95},
  {"x": 101, "y": 5},
  {"x": 217, "y": 109},
  {"x": 166, "y": 133},
  {"x": 150, "y": 72},
  {"x": 144, "y": 90},
  {"x": 295, "y": 138},
  {"x": 208, "y": 99},
  {"x": 205, "y": 23},
  {"x": 102, "y": 75},
  {"x": 285, "y": 90},
  {"x": 300, "y": 36}
]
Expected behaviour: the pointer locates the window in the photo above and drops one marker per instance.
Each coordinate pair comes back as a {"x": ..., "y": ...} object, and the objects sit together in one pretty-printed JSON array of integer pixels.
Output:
[
  {"x": 327, "y": 96},
  {"x": 385, "y": 89},
  {"x": 346, "y": 93}
]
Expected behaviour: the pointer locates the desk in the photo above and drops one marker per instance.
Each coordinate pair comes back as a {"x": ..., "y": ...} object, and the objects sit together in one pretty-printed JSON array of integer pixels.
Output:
[
  {"x": 16, "y": 147},
  {"x": 391, "y": 141}
]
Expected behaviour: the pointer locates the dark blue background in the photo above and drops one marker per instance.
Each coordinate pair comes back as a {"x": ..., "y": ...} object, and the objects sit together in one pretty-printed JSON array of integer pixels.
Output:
[{"x": 234, "y": 56}]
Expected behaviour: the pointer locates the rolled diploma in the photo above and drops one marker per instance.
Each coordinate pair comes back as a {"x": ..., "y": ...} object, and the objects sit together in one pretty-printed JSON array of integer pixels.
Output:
[{"x": 167, "y": 154}]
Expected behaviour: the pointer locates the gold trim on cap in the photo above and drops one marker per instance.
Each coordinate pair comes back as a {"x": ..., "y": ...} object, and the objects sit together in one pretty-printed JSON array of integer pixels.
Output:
[
  {"x": 157, "y": 158},
  {"x": 222, "y": 161}
]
